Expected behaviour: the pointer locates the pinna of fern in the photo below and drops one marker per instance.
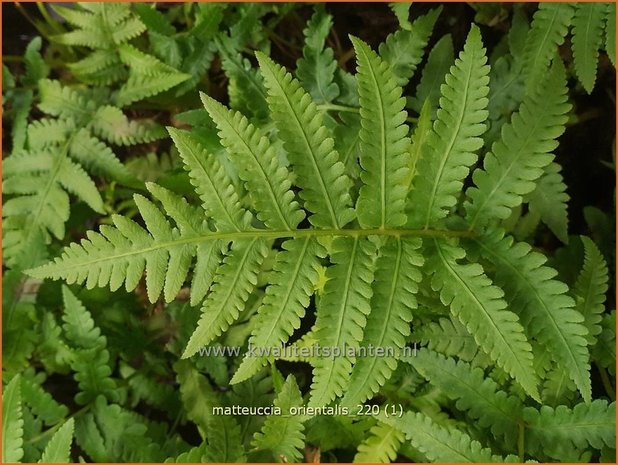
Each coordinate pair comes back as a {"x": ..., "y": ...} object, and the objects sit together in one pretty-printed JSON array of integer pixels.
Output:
[{"x": 377, "y": 245}]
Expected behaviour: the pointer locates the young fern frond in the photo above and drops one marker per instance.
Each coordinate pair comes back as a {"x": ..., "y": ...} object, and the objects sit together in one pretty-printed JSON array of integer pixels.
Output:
[
  {"x": 517, "y": 160},
  {"x": 449, "y": 151},
  {"x": 384, "y": 143},
  {"x": 542, "y": 302}
]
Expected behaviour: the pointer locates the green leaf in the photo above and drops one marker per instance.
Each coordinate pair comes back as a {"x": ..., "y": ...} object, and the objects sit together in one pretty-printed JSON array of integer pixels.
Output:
[
  {"x": 292, "y": 283},
  {"x": 12, "y": 422},
  {"x": 283, "y": 435},
  {"x": 550, "y": 25},
  {"x": 320, "y": 173},
  {"x": 518, "y": 159},
  {"x": 384, "y": 143},
  {"x": 438, "y": 63},
  {"x": 388, "y": 325},
  {"x": 256, "y": 161},
  {"x": 439, "y": 443},
  {"x": 316, "y": 69},
  {"x": 554, "y": 431},
  {"x": 550, "y": 201},
  {"x": 473, "y": 392},
  {"x": 341, "y": 315},
  {"x": 381, "y": 446},
  {"x": 588, "y": 23},
  {"x": 610, "y": 32},
  {"x": 403, "y": 50},
  {"x": 58, "y": 449},
  {"x": 590, "y": 289},
  {"x": 542, "y": 303},
  {"x": 233, "y": 283},
  {"x": 449, "y": 152},
  {"x": 480, "y": 306}
]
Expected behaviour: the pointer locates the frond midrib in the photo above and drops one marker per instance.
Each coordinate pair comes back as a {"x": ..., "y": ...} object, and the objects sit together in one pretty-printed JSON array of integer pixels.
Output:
[{"x": 271, "y": 234}]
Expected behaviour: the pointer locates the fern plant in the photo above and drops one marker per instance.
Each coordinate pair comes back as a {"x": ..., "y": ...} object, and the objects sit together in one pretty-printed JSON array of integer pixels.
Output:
[
  {"x": 366, "y": 300},
  {"x": 367, "y": 240}
]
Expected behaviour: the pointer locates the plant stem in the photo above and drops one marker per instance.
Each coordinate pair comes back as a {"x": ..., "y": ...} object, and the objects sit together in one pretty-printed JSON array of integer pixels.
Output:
[
  {"x": 607, "y": 384},
  {"x": 58, "y": 425},
  {"x": 348, "y": 109},
  {"x": 521, "y": 441}
]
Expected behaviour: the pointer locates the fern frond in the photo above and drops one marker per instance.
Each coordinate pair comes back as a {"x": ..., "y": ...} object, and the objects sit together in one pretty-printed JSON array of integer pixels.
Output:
[
  {"x": 590, "y": 289},
  {"x": 41, "y": 403},
  {"x": 58, "y": 448},
  {"x": 212, "y": 184},
  {"x": 246, "y": 88},
  {"x": 610, "y": 32},
  {"x": 480, "y": 306},
  {"x": 604, "y": 352},
  {"x": 381, "y": 446},
  {"x": 233, "y": 283},
  {"x": 395, "y": 284},
  {"x": 473, "y": 392},
  {"x": 283, "y": 435},
  {"x": 97, "y": 157},
  {"x": 403, "y": 49},
  {"x": 517, "y": 160},
  {"x": 139, "y": 87},
  {"x": 12, "y": 422},
  {"x": 440, "y": 443},
  {"x": 587, "y": 37},
  {"x": 449, "y": 152},
  {"x": 450, "y": 338},
  {"x": 316, "y": 69},
  {"x": 384, "y": 142},
  {"x": 550, "y": 25},
  {"x": 64, "y": 102},
  {"x": 549, "y": 201},
  {"x": 320, "y": 173},
  {"x": 542, "y": 302},
  {"x": 267, "y": 181},
  {"x": 90, "y": 358},
  {"x": 553, "y": 431},
  {"x": 341, "y": 314},
  {"x": 285, "y": 301},
  {"x": 111, "y": 124}
]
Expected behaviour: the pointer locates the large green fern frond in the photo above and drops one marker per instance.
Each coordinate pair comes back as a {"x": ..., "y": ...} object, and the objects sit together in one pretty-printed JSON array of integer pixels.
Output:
[{"x": 587, "y": 37}]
